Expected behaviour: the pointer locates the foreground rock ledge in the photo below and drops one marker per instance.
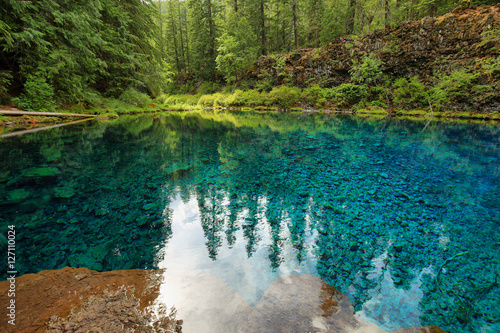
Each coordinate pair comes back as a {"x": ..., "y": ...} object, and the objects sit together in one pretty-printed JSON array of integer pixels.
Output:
[{"x": 81, "y": 300}]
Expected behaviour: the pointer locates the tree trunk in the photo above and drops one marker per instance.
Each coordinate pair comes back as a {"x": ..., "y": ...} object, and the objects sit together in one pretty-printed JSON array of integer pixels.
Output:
[
  {"x": 362, "y": 19},
  {"x": 174, "y": 32},
  {"x": 182, "y": 39},
  {"x": 263, "y": 27},
  {"x": 277, "y": 27},
  {"x": 295, "y": 24},
  {"x": 236, "y": 6},
  {"x": 211, "y": 30},
  {"x": 162, "y": 49},
  {"x": 187, "y": 46},
  {"x": 350, "y": 20},
  {"x": 387, "y": 14}
]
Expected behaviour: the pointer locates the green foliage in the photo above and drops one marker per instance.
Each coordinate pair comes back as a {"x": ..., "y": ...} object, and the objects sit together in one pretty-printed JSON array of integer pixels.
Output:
[
  {"x": 237, "y": 47},
  {"x": 265, "y": 85},
  {"x": 369, "y": 71},
  {"x": 315, "y": 95},
  {"x": 38, "y": 95},
  {"x": 411, "y": 92},
  {"x": 135, "y": 98},
  {"x": 491, "y": 67},
  {"x": 317, "y": 53},
  {"x": 490, "y": 38},
  {"x": 453, "y": 86},
  {"x": 5, "y": 81},
  {"x": 180, "y": 99},
  {"x": 6, "y": 39},
  {"x": 217, "y": 99},
  {"x": 279, "y": 64},
  {"x": 460, "y": 86},
  {"x": 350, "y": 93},
  {"x": 208, "y": 87},
  {"x": 81, "y": 47},
  {"x": 283, "y": 96}
]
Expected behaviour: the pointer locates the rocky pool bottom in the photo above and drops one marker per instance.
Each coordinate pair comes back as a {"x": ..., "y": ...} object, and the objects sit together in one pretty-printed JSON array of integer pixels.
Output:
[
  {"x": 80, "y": 300},
  {"x": 401, "y": 217}
]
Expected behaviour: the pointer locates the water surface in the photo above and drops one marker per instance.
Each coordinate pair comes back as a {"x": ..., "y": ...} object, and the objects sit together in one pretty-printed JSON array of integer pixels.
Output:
[{"x": 400, "y": 216}]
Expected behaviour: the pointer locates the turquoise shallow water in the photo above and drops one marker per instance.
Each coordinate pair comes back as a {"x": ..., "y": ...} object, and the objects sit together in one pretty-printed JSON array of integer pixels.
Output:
[{"x": 402, "y": 217}]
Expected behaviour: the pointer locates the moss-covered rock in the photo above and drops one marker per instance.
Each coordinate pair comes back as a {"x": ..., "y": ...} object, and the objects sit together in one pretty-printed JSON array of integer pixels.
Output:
[
  {"x": 17, "y": 196},
  {"x": 64, "y": 192},
  {"x": 41, "y": 172}
]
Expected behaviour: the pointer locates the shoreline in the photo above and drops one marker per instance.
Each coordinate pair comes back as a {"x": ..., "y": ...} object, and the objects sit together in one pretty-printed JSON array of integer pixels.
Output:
[
  {"x": 126, "y": 298},
  {"x": 23, "y": 122}
]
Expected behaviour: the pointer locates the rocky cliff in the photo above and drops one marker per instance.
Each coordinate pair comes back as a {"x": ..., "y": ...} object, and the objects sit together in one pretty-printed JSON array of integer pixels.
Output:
[{"x": 466, "y": 39}]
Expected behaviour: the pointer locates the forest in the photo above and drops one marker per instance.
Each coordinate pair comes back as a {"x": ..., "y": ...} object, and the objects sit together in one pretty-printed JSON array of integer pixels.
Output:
[{"x": 57, "y": 53}]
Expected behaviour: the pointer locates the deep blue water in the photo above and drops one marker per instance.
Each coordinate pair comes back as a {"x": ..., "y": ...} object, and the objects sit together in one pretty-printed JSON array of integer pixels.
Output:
[{"x": 375, "y": 208}]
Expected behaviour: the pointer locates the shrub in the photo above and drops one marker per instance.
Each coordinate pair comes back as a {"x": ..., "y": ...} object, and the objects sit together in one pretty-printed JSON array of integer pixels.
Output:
[
  {"x": 458, "y": 85},
  {"x": 5, "y": 80},
  {"x": 208, "y": 87},
  {"x": 233, "y": 99},
  {"x": 491, "y": 67},
  {"x": 283, "y": 96},
  {"x": 312, "y": 94},
  {"x": 368, "y": 71},
  {"x": 411, "y": 92},
  {"x": 206, "y": 100},
  {"x": 351, "y": 93},
  {"x": 38, "y": 95},
  {"x": 266, "y": 85},
  {"x": 253, "y": 98},
  {"x": 134, "y": 97},
  {"x": 181, "y": 99}
]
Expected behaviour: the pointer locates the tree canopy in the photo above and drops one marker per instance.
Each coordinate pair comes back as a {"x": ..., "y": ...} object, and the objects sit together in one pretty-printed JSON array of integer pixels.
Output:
[{"x": 77, "y": 51}]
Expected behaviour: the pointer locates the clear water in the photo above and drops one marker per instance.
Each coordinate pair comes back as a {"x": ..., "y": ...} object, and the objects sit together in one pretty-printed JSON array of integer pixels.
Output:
[{"x": 375, "y": 208}]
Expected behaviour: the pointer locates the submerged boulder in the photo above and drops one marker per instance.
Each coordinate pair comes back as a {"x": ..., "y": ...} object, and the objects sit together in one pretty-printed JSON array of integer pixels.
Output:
[{"x": 18, "y": 196}]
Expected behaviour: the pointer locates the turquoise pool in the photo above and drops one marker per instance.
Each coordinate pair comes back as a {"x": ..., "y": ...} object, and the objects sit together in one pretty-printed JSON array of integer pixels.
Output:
[{"x": 402, "y": 216}]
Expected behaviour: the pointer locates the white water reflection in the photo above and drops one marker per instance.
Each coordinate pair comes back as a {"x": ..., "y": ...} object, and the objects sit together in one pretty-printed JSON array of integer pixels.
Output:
[
  {"x": 224, "y": 294},
  {"x": 250, "y": 276}
]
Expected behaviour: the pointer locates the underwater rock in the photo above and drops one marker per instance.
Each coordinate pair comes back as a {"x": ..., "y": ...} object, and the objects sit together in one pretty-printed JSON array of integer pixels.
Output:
[
  {"x": 3, "y": 241},
  {"x": 101, "y": 302},
  {"x": 17, "y": 196},
  {"x": 178, "y": 169},
  {"x": 84, "y": 260},
  {"x": 64, "y": 192},
  {"x": 28, "y": 207},
  {"x": 148, "y": 206},
  {"x": 41, "y": 172}
]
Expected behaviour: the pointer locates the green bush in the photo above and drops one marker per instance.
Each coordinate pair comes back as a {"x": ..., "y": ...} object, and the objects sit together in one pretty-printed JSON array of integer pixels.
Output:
[
  {"x": 134, "y": 97},
  {"x": 459, "y": 85},
  {"x": 5, "y": 80},
  {"x": 266, "y": 85},
  {"x": 207, "y": 100},
  {"x": 208, "y": 87},
  {"x": 38, "y": 95},
  {"x": 312, "y": 95},
  {"x": 220, "y": 99},
  {"x": 411, "y": 92},
  {"x": 491, "y": 67},
  {"x": 368, "y": 71},
  {"x": 253, "y": 98},
  {"x": 283, "y": 96},
  {"x": 181, "y": 99},
  {"x": 236, "y": 98},
  {"x": 350, "y": 93}
]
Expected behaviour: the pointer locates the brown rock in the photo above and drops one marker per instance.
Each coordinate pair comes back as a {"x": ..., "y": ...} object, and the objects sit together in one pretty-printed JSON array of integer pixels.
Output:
[
  {"x": 80, "y": 300},
  {"x": 56, "y": 293}
]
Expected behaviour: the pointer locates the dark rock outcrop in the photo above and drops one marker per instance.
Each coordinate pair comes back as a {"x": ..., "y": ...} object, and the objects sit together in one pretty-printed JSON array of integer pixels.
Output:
[{"x": 463, "y": 38}]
